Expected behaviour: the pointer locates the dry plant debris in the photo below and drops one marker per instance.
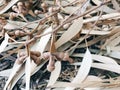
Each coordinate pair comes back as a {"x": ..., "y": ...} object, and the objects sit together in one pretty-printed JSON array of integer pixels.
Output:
[{"x": 59, "y": 44}]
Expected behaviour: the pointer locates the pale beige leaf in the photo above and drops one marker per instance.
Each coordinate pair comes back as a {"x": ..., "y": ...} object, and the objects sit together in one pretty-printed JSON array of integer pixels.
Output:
[
  {"x": 108, "y": 67},
  {"x": 70, "y": 10},
  {"x": 83, "y": 70},
  {"x": 73, "y": 30},
  {"x": 43, "y": 41},
  {"x": 115, "y": 54},
  {"x": 28, "y": 72},
  {"x": 117, "y": 48},
  {"x": 54, "y": 74},
  {"x": 4, "y": 43},
  {"x": 84, "y": 6},
  {"x": 95, "y": 32},
  {"x": 18, "y": 24},
  {"x": 115, "y": 4},
  {"x": 102, "y": 59},
  {"x": 15, "y": 69},
  {"x": 103, "y": 17},
  {"x": 114, "y": 42},
  {"x": 5, "y": 73},
  {"x": 10, "y": 4},
  {"x": 107, "y": 9},
  {"x": 2, "y": 2}
]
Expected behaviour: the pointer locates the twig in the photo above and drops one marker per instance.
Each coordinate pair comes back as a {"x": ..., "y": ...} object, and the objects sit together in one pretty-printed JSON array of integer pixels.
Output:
[
  {"x": 71, "y": 19},
  {"x": 84, "y": 38}
]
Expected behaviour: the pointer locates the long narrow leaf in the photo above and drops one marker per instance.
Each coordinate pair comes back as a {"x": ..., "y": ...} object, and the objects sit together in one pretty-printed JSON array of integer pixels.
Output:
[
  {"x": 28, "y": 72},
  {"x": 4, "y": 43},
  {"x": 54, "y": 74},
  {"x": 83, "y": 71}
]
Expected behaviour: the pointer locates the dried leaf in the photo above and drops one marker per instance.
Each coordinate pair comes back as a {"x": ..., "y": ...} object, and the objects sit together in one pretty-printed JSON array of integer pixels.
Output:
[
  {"x": 95, "y": 32},
  {"x": 115, "y": 54},
  {"x": 5, "y": 72},
  {"x": 43, "y": 41},
  {"x": 4, "y": 43},
  {"x": 108, "y": 67},
  {"x": 83, "y": 71},
  {"x": 114, "y": 42},
  {"x": 10, "y": 4},
  {"x": 54, "y": 74},
  {"x": 103, "y": 17},
  {"x": 115, "y": 4},
  {"x": 28, "y": 72},
  {"x": 103, "y": 59},
  {"x": 19, "y": 24},
  {"x": 15, "y": 69},
  {"x": 70, "y": 10},
  {"x": 73, "y": 30}
]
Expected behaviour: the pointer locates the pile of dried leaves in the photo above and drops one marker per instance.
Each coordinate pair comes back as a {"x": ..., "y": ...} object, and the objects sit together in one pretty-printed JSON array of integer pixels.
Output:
[{"x": 59, "y": 44}]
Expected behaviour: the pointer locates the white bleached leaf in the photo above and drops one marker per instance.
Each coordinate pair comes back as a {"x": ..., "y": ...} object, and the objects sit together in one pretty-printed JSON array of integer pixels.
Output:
[
  {"x": 15, "y": 69},
  {"x": 103, "y": 17},
  {"x": 10, "y": 4},
  {"x": 28, "y": 72},
  {"x": 83, "y": 70},
  {"x": 54, "y": 74},
  {"x": 95, "y": 32},
  {"x": 10, "y": 26},
  {"x": 4, "y": 43},
  {"x": 70, "y": 10},
  {"x": 102, "y": 59},
  {"x": 115, "y": 54},
  {"x": 5, "y": 72},
  {"x": 73, "y": 30},
  {"x": 40, "y": 46},
  {"x": 115, "y": 4},
  {"x": 108, "y": 67}
]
